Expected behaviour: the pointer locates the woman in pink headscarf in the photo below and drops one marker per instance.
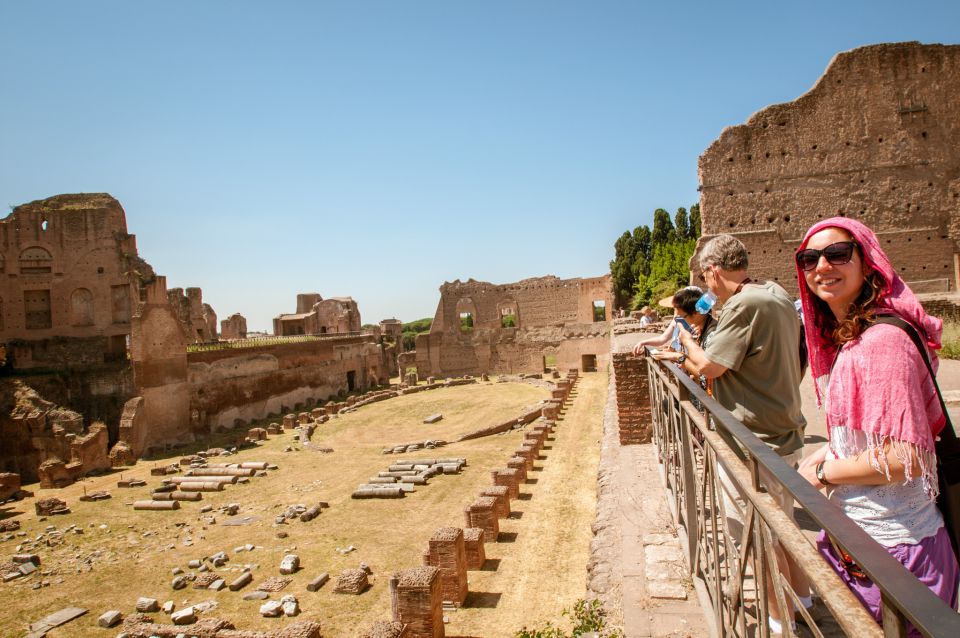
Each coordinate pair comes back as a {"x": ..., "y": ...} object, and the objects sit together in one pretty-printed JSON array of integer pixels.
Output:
[{"x": 881, "y": 406}]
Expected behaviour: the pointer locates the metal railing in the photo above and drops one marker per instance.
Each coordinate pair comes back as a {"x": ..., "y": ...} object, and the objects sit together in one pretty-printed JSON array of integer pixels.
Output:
[
  {"x": 725, "y": 568},
  {"x": 257, "y": 342}
]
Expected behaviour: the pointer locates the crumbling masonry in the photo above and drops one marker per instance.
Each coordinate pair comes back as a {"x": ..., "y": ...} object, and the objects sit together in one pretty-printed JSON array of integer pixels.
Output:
[{"x": 877, "y": 138}]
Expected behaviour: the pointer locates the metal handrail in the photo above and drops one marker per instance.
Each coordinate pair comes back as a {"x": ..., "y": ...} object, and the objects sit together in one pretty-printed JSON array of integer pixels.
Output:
[{"x": 904, "y": 597}]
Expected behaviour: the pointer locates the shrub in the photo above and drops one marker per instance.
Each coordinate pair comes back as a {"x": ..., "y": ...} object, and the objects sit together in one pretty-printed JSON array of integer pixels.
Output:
[{"x": 586, "y": 616}]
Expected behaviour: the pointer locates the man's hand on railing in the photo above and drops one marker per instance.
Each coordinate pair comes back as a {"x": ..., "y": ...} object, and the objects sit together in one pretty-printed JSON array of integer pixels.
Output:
[{"x": 666, "y": 354}]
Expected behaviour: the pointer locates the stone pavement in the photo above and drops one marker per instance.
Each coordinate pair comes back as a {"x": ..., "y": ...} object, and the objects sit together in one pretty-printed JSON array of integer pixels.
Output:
[
  {"x": 638, "y": 567},
  {"x": 658, "y": 596}
]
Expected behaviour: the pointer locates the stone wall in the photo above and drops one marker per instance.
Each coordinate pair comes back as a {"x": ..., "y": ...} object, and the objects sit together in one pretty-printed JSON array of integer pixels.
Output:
[
  {"x": 876, "y": 139},
  {"x": 251, "y": 383},
  {"x": 38, "y": 434},
  {"x": 511, "y": 328},
  {"x": 158, "y": 352}
]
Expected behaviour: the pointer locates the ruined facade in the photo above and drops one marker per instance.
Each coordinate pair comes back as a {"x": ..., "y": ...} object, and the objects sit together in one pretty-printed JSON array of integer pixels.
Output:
[
  {"x": 70, "y": 277},
  {"x": 316, "y": 316},
  {"x": 392, "y": 328},
  {"x": 520, "y": 327},
  {"x": 198, "y": 319},
  {"x": 234, "y": 327},
  {"x": 876, "y": 138}
]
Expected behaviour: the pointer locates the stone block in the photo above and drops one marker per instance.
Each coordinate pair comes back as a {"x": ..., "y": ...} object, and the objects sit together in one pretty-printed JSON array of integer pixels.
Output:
[
  {"x": 473, "y": 546},
  {"x": 446, "y": 552},
  {"x": 417, "y": 599}
]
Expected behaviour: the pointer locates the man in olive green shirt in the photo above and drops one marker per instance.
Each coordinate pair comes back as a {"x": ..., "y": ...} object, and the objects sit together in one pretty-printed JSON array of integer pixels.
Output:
[{"x": 753, "y": 357}]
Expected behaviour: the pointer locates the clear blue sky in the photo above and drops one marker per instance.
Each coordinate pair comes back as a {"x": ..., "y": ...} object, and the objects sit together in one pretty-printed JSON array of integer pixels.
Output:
[{"x": 378, "y": 149}]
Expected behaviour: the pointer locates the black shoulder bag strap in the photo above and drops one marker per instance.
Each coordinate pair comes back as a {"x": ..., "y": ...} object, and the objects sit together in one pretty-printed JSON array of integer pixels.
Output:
[{"x": 947, "y": 445}]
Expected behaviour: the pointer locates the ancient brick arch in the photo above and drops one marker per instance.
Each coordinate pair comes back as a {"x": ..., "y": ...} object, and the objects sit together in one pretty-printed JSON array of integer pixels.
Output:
[
  {"x": 35, "y": 260},
  {"x": 465, "y": 305},
  {"x": 507, "y": 307}
]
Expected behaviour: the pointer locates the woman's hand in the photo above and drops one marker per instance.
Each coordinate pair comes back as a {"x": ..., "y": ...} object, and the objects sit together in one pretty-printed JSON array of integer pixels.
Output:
[{"x": 808, "y": 466}]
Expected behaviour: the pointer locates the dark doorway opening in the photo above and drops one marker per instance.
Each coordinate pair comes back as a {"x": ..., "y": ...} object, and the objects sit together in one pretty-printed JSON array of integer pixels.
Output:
[
  {"x": 351, "y": 381},
  {"x": 588, "y": 362}
]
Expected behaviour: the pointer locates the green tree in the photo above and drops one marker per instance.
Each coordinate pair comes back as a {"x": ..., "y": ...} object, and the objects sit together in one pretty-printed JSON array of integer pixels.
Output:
[
  {"x": 635, "y": 270},
  {"x": 681, "y": 222},
  {"x": 663, "y": 230},
  {"x": 669, "y": 270},
  {"x": 695, "y": 221},
  {"x": 411, "y": 330}
]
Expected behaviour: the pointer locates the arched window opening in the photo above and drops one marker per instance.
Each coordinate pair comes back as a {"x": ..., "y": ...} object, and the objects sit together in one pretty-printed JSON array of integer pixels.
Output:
[{"x": 36, "y": 261}]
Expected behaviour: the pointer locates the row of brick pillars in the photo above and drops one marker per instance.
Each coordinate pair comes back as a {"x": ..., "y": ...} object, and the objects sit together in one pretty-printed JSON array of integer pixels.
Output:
[{"x": 417, "y": 595}]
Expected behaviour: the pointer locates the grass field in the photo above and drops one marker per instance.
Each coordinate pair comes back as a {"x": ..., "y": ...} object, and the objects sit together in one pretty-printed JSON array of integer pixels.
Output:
[{"x": 538, "y": 573}]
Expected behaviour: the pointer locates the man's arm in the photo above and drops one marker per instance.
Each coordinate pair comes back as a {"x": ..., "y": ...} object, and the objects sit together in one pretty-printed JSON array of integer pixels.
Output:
[{"x": 698, "y": 359}]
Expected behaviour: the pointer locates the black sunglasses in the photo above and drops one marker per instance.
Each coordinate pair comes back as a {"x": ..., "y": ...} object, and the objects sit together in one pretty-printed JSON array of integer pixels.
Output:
[{"x": 837, "y": 254}]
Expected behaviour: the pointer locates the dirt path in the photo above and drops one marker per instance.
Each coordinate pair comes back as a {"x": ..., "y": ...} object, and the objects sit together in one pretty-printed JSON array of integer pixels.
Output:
[{"x": 541, "y": 568}]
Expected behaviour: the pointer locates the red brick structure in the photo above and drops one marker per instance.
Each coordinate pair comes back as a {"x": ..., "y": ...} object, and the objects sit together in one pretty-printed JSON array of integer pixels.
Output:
[
  {"x": 528, "y": 453},
  {"x": 447, "y": 553},
  {"x": 473, "y": 546},
  {"x": 233, "y": 327},
  {"x": 482, "y": 513},
  {"x": 418, "y": 601},
  {"x": 502, "y": 494},
  {"x": 633, "y": 397},
  {"x": 508, "y": 478},
  {"x": 480, "y": 327},
  {"x": 316, "y": 316},
  {"x": 519, "y": 464}
]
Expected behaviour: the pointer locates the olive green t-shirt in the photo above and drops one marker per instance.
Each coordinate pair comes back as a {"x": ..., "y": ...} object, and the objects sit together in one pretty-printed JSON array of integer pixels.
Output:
[{"x": 756, "y": 339}]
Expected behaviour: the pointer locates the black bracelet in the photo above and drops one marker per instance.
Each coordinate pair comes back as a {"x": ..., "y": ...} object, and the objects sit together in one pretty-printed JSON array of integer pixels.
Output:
[{"x": 820, "y": 476}]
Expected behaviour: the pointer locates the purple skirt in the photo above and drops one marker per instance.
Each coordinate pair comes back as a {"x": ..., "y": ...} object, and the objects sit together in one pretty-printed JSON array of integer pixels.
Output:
[{"x": 931, "y": 560}]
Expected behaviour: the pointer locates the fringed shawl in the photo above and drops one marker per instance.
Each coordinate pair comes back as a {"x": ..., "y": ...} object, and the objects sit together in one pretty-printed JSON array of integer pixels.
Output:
[{"x": 880, "y": 384}]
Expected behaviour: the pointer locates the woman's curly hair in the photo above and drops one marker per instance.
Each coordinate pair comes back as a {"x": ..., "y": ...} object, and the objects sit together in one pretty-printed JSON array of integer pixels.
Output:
[{"x": 862, "y": 310}]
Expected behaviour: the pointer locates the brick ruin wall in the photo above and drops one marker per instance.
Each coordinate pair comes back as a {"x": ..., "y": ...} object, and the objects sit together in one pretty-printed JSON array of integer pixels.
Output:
[
  {"x": 68, "y": 268},
  {"x": 234, "y": 327},
  {"x": 230, "y": 385},
  {"x": 198, "y": 318},
  {"x": 876, "y": 139},
  {"x": 553, "y": 317}
]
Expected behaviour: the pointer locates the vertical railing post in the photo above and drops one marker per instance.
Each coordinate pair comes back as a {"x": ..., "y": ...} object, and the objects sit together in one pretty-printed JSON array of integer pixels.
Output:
[
  {"x": 894, "y": 625},
  {"x": 688, "y": 466}
]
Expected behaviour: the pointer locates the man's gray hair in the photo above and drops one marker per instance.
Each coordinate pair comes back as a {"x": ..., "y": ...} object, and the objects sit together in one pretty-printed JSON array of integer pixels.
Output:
[{"x": 725, "y": 251}]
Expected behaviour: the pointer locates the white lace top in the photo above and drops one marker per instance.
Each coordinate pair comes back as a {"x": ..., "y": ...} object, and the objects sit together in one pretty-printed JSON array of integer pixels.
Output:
[{"x": 891, "y": 514}]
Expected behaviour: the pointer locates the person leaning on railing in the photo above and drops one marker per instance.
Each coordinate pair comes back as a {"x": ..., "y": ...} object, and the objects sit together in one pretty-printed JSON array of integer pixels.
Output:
[
  {"x": 754, "y": 362},
  {"x": 684, "y": 303},
  {"x": 881, "y": 407}
]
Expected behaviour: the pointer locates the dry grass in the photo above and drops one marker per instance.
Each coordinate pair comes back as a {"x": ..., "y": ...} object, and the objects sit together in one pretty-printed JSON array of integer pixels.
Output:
[
  {"x": 950, "y": 340},
  {"x": 539, "y": 573}
]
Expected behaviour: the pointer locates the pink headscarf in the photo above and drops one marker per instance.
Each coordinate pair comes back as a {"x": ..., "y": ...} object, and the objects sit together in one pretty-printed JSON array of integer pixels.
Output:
[
  {"x": 896, "y": 297},
  {"x": 883, "y": 411}
]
